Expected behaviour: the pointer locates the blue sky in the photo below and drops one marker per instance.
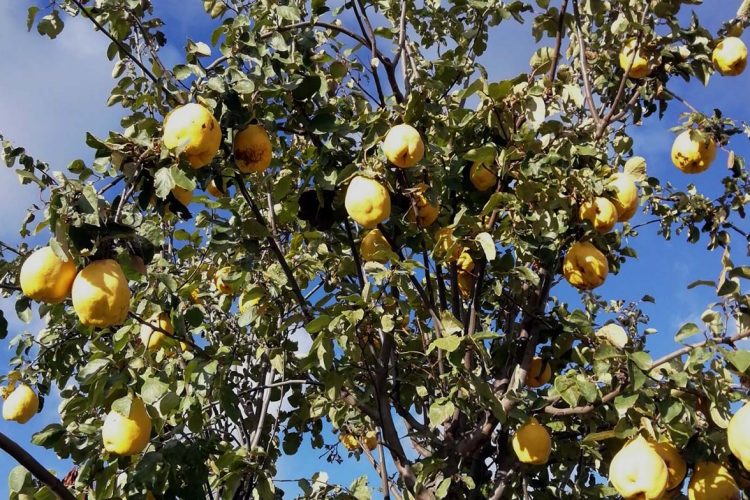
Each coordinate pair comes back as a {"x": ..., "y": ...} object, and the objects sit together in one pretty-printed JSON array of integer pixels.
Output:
[{"x": 52, "y": 92}]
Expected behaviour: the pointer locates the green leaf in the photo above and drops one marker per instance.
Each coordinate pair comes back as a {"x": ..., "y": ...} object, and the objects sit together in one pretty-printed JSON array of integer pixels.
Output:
[
  {"x": 30, "y": 16},
  {"x": 740, "y": 272},
  {"x": 484, "y": 154},
  {"x": 18, "y": 478},
  {"x": 448, "y": 344},
  {"x": 440, "y": 411},
  {"x": 318, "y": 324},
  {"x": 740, "y": 358},
  {"x": 153, "y": 390},
  {"x": 122, "y": 405},
  {"x": 50, "y": 25},
  {"x": 642, "y": 360},
  {"x": 488, "y": 245},
  {"x": 164, "y": 182},
  {"x": 48, "y": 436},
  {"x": 92, "y": 368},
  {"x": 443, "y": 487},
  {"x": 686, "y": 331}
]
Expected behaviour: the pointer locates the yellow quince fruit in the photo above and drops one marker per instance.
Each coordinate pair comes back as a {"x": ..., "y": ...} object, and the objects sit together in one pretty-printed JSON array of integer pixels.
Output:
[
  {"x": 101, "y": 296},
  {"x": 127, "y": 435},
  {"x": 193, "y": 131},
  {"x": 738, "y": 435},
  {"x": 252, "y": 149},
  {"x": 374, "y": 247},
  {"x": 154, "y": 339},
  {"x": 371, "y": 440},
  {"x": 585, "y": 267},
  {"x": 21, "y": 404},
  {"x": 638, "y": 472},
  {"x": 625, "y": 197},
  {"x": 403, "y": 146},
  {"x": 184, "y": 196},
  {"x": 693, "y": 151},
  {"x": 220, "y": 281},
  {"x": 482, "y": 176},
  {"x": 540, "y": 372},
  {"x": 47, "y": 278},
  {"x": 600, "y": 212},
  {"x": 349, "y": 441},
  {"x": 532, "y": 443},
  {"x": 730, "y": 56},
  {"x": 426, "y": 212},
  {"x": 367, "y": 201},
  {"x": 641, "y": 66},
  {"x": 712, "y": 481},
  {"x": 676, "y": 466}
]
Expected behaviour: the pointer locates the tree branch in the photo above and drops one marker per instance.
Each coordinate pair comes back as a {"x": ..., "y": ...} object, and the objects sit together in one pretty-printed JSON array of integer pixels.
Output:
[
  {"x": 32, "y": 465},
  {"x": 558, "y": 40},
  {"x": 584, "y": 65}
]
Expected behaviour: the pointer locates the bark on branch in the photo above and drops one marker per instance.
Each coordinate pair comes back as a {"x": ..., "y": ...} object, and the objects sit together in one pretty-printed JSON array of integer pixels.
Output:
[{"x": 32, "y": 465}]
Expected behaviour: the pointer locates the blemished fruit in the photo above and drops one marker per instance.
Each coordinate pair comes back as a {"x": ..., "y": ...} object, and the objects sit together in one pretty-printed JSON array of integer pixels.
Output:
[
  {"x": 154, "y": 339},
  {"x": 532, "y": 443},
  {"x": 349, "y": 441},
  {"x": 693, "y": 151},
  {"x": 730, "y": 56},
  {"x": 220, "y": 280},
  {"x": 252, "y": 149},
  {"x": 540, "y": 372},
  {"x": 193, "y": 131},
  {"x": 601, "y": 212},
  {"x": 371, "y": 440},
  {"x": 21, "y": 404},
  {"x": 465, "y": 284},
  {"x": 46, "y": 278},
  {"x": 712, "y": 481},
  {"x": 367, "y": 202},
  {"x": 641, "y": 66},
  {"x": 374, "y": 247},
  {"x": 676, "y": 466},
  {"x": 637, "y": 471},
  {"x": 739, "y": 437},
  {"x": 426, "y": 212},
  {"x": 129, "y": 435},
  {"x": 403, "y": 146},
  {"x": 184, "y": 196},
  {"x": 585, "y": 267},
  {"x": 625, "y": 198},
  {"x": 101, "y": 296},
  {"x": 214, "y": 190},
  {"x": 614, "y": 334},
  {"x": 482, "y": 176}
]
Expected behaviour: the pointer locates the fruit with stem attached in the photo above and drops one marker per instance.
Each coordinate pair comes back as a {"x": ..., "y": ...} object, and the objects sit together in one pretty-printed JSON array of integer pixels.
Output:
[
  {"x": 693, "y": 151},
  {"x": 600, "y": 212},
  {"x": 641, "y": 64},
  {"x": 374, "y": 247},
  {"x": 730, "y": 56}
]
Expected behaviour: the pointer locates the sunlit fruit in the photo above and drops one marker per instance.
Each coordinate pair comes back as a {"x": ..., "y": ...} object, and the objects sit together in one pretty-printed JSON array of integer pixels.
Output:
[
  {"x": 184, "y": 196},
  {"x": 374, "y": 247},
  {"x": 585, "y": 267},
  {"x": 47, "y": 278},
  {"x": 641, "y": 67},
  {"x": 482, "y": 176},
  {"x": 600, "y": 212},
  {"x": 127, "y": 435},
  {"x": 712, "y": 481},
  {"x": 252, "y": 149},
  {"x": 194, "y": 133},
  {"x": 730, "y": 56},
  {"x": 676, "y": 466},
  {"x": 693, "y": 151},
  {"x": 465, "y": 284},
  {"x": 532, "y": 443},
  {"x": 349, "y": 441},
  {"x": 539, "y": 373},
  {"x": 367, "y": 201},
  {"x": 371, "y": 440},
  {"x": 101, "y": 296},
  {"x": 403, "y": 146},
  {"x": 625, "y": 197},
  {"x": 738, "y": 435},
  {"x": 21, "y": 404},
  {"x": 637, "y": 471},
  {"x": 465, "y": 262},
  {"x": 445, "y": 245},
  {"x": 154, "y": 339}
]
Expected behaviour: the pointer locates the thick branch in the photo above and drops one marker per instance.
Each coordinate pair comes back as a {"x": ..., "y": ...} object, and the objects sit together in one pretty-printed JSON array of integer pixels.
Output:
[
  {"x": 558, "y": 40},
  {"x": 584, "y": 65},
  {"x": 37, "y": 470}
]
